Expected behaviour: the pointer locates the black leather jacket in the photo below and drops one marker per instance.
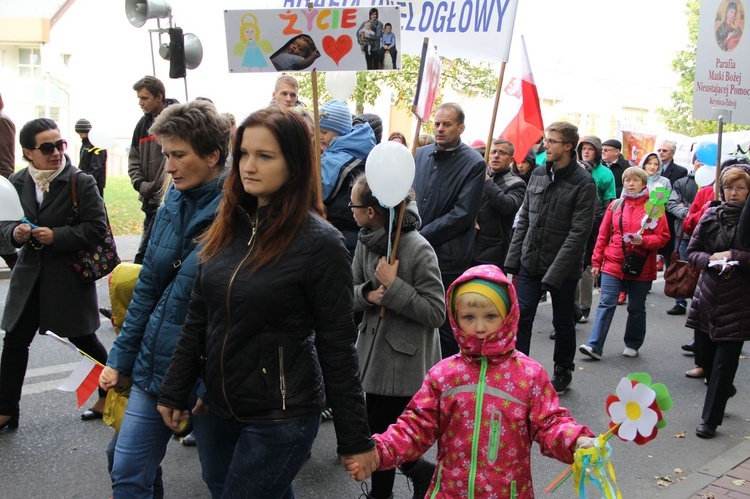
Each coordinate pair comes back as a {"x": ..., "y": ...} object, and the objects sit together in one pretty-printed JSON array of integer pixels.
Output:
[{"x": 276, "y": 340}]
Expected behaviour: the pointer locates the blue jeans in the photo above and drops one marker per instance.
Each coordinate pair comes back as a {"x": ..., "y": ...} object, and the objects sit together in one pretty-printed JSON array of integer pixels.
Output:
[
  {"x": 635, "y": 327},
  {"x": 683, "y": 253},
  {"x": 254, "y": 460},
  {"x": 529, "y": 288},
  {"x": 141, "y": 445}
]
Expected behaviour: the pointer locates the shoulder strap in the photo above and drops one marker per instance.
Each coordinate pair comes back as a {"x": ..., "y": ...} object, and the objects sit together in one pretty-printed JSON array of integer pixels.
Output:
[
  {"x": 343, "y": 174},
  {"x": 74, "y": 190},
  {"x": 615, "y": 204}
]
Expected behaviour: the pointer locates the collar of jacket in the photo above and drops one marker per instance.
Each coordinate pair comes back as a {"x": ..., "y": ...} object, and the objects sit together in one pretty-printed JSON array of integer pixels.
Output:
[{"x": 562, "y": 172}]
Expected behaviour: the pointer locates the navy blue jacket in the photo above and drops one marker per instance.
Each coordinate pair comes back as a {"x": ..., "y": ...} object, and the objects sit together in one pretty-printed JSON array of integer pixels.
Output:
[
  {"x": 144, "y": 347},
  {"x": 448, "y": 186}
]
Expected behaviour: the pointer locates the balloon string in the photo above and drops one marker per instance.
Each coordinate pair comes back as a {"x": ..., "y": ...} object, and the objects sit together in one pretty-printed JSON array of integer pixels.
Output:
[{"x": 391, "y": 218}]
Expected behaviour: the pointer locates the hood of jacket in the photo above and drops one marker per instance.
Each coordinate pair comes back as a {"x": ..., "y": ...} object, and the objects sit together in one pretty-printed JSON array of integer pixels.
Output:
[
  {"x": 499, "y": 342},
  {"x": 661, "y": 165},
  {"x": 357, "y": 144},
  {"x": 594, "y": 141}
]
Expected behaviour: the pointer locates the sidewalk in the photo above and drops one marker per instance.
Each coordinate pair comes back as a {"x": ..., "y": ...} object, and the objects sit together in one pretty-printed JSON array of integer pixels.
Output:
[{"x": 724, "y": 477}]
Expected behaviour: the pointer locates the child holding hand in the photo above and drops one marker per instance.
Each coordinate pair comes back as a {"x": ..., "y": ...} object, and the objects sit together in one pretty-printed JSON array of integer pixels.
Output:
[{"x": 485, "y": 405}]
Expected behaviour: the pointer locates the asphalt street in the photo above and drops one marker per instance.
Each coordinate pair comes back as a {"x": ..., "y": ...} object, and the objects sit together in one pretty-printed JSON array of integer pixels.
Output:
[{"x": 55, "y": 454}]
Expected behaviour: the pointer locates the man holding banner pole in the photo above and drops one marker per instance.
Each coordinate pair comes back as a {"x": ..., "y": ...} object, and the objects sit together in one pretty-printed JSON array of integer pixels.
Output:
[{"x": 448, "y": 184}]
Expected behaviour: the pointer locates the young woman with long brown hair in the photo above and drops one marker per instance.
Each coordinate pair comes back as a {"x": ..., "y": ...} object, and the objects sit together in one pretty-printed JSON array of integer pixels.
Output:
[{"x": 270, "y": 324}]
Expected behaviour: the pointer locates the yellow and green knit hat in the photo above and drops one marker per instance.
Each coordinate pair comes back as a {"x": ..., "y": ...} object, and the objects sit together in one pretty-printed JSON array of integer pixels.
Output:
[{"x": 497, "y": 293}]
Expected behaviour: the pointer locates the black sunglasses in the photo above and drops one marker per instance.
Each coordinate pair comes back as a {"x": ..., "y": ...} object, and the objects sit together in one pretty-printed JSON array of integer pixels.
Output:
[{"x": 49, "y": 147}]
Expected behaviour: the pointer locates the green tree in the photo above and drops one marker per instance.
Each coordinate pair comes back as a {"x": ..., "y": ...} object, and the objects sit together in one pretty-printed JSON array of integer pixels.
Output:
[
  {"x": 679, "y": 117},
  {"x": 460, "y": 74}
]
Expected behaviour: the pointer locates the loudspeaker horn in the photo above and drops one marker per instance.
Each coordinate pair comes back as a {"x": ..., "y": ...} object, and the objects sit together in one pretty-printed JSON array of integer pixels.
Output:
[
  {"x": 139, "y": 11},
  {"x": 193, "y": 51}
]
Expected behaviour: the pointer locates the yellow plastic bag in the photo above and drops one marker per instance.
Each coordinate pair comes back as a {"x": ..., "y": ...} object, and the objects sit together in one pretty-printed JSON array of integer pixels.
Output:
[{"x": 114, "y": 407}]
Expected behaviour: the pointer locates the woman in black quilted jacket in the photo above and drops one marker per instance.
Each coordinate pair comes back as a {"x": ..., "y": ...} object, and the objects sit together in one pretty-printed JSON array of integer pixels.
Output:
[{"x": 270, "y": 322}]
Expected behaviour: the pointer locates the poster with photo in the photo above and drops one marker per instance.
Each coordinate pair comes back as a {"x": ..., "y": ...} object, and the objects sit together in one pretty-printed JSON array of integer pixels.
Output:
[
  {"x": 722, "y": 66},
  {"x": 345, "y": 39}
]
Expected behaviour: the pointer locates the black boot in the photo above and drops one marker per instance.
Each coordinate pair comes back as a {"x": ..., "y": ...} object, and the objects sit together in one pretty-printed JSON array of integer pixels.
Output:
[{"x": 420, "y": 473}]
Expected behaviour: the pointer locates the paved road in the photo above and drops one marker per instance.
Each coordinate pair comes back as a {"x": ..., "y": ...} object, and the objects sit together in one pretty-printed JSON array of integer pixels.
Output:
[{"x": 54, "y": 454}]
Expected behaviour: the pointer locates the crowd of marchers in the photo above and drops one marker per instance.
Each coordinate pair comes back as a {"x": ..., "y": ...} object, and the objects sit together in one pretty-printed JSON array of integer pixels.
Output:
[{"x": 264, "y": 298}]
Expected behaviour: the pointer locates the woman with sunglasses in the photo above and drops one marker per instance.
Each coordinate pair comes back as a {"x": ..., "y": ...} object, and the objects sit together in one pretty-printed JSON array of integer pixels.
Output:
[{"x": 45, "y": 294}]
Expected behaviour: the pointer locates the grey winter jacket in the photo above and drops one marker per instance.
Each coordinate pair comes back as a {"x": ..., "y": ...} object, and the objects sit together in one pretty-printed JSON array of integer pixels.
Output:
[
  {"x": 683, "y": 194},
  {"x": 554, "y": 224},
  {"x": 396, "y": 351}
]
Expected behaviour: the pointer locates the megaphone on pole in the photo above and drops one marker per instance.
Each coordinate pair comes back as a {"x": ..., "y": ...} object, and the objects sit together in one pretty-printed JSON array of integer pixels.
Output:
[
  {"x": 140, "y": 11},
  {"x": 183, "y": 52}
]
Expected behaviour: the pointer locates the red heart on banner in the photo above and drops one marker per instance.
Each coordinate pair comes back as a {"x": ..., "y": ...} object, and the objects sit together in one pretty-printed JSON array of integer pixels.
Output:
[{"x": 337, "y": 48}]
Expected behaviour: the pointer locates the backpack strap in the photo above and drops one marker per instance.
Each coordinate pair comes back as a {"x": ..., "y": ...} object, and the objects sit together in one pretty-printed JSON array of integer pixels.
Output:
[
  {"x": 343, "y": 174},
  {"x": 616, "y": 204}
]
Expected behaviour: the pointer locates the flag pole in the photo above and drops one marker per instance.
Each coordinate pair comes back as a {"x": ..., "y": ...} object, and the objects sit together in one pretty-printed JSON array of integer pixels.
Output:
[
  {"x": 494, "y": 112},
  {"x": 417, "y": 132},
  {"x": 316, "y": 119}
]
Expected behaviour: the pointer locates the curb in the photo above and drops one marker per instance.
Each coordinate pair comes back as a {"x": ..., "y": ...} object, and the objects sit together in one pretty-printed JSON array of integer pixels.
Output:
[{"x": 708, "y": 474}]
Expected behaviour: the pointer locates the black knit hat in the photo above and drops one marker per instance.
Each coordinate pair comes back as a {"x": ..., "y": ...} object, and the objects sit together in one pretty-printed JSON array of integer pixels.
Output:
[
  {"x": 613, "y": 143},
  {"x": 82, "y": 125}
]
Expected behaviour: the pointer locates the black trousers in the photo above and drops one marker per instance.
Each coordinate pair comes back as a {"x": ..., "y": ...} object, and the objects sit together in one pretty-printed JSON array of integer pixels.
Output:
[
  {"x": 148, "y": 224},
  {"x": 382, "y": 411},
  {"x": 448, "y": 345},
  {"x": 15, "y": 356},
  {"x": 720, "y": 361}
]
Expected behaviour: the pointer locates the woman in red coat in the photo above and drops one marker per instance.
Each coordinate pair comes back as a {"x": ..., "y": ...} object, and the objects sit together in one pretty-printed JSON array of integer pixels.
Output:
[{"x": 621, "y": 233}]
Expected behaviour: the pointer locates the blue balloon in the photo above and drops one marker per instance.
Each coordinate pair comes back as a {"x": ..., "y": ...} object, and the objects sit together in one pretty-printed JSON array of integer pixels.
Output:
[{"x": 706, "y": 153}]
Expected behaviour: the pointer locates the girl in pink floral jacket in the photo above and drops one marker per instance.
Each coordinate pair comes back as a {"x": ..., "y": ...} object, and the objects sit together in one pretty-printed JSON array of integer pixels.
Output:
[{"x": 485, "y": 405}]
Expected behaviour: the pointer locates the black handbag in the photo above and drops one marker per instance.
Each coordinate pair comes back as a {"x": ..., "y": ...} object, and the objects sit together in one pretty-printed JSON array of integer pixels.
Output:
[
  {"x": 633, "y": 264},
  {"x": 101, "y": 257}
]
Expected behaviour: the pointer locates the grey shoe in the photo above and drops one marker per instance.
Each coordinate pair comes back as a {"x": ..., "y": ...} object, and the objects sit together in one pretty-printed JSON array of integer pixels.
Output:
[{"x": 587, "y": 350}]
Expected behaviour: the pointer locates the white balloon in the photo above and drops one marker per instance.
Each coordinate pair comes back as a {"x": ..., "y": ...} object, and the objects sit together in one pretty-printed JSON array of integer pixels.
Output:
[
  {"x": 705, "y": 175},
  {"x": 727, "y": 145},
  {"x": 10, "y": 204},
  {"x": 390, "y": 172},
  {"x": 341, "y": 84},
  {"x": 101, "y": 138}
]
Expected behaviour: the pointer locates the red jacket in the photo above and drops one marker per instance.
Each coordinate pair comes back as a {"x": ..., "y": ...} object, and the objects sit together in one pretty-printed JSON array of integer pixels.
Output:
[
  {"x": 698, "y": 208},
  {"x": 608, "y": 255}
]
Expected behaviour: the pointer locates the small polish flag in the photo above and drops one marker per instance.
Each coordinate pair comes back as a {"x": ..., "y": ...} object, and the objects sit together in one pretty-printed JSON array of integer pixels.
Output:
[{"x": 83, "y": 380}]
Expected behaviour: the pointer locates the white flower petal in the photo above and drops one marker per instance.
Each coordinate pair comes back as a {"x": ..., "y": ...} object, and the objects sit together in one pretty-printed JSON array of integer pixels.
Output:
[
  {"x": 647, "y": 422},
  {"x": 624, "y": 390},
  {"x": 617, "y": 411},
  {"x": 627, "y": 430},
  {"x": 644, "y": 395}
]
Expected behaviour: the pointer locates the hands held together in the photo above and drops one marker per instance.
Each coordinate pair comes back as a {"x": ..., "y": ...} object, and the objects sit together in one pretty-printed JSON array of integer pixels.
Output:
[
  {"x": 361, "y": 466},
  {"x": 386, "y": 274}
]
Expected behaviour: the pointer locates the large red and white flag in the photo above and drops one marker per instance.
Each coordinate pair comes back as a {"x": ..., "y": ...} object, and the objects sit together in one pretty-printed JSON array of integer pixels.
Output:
[
  {"x": 521, "y": 102},
  {"x": 83, "y": 380}
]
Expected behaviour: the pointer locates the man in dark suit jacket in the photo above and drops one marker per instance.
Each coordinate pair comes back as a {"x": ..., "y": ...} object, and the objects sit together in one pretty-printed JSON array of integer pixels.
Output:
[
  {"x": 615, "y": 161},
  {"x": 673, "y": 172}
]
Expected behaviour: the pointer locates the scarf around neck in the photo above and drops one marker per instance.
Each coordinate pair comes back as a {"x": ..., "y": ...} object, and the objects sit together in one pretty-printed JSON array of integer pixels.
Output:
[
  {"x": 43, "y": 178},
  {"x": 377, "y": 240}
]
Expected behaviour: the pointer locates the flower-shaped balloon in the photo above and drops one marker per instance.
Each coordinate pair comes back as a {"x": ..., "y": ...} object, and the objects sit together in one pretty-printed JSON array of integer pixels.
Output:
[
  {"x": 649, "y": 222},
  {"x": 637, "y": 407},
  {"x": 660, "y": 195}
]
